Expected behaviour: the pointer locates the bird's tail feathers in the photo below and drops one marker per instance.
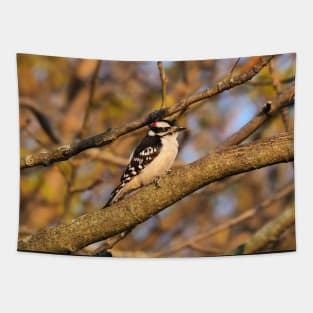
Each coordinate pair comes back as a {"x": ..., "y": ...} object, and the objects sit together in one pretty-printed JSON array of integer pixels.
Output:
[{"x": 115, "y": 195}]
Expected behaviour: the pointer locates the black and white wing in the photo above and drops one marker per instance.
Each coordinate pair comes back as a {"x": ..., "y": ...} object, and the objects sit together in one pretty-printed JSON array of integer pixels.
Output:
[{"x": 144, "y": 154}]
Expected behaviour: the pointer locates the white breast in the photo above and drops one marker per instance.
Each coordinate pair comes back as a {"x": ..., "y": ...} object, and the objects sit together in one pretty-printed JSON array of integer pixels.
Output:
[{"x": 163, "y": 162}]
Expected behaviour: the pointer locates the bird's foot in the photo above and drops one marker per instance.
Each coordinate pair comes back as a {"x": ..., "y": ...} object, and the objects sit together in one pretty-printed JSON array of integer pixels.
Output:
[{"x": 156, "y": 182}]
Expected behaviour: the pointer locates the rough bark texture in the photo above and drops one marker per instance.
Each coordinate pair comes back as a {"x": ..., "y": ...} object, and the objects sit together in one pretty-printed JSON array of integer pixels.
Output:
[
  {"x": 65, "y": 152},
  {"x": 151, "y": 199}
]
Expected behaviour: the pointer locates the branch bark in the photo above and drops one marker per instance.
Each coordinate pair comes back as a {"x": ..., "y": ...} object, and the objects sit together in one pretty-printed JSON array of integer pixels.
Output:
[
  {"x": 67, "y": 151},
  {"x": 140, "y": 206}
]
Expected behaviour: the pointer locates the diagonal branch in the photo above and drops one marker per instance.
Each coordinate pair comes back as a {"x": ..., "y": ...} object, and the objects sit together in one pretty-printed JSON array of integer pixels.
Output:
[
  {"x": 140, "y": 206},
  {"x": 281, "y": 101},
  {"x": 286, "y": 190},
  {"x": 271, "y": 231},
  {"x": 65, "y": 152},
  {"x": 41, "y": 118},
  {"x": 235, "y": 65}
]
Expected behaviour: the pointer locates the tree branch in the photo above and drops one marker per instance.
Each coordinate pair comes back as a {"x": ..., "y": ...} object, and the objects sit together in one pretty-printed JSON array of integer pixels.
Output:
[
  {"x": 163, "y": 82},
  {"x": 282, "y": 100},
  {"x": 278, "y": 89},
  {"x": 140, "y": 206},
  {"x": 89, "y": 187},
  {"x": 235, "y": 65},
  {"x": 41, "y": 118},
  {"x": 268, "y": 233},
  {"x": 287, "y": 80},
  {"x": 90, "y": 103},
  {"x": 229, "y": 223},
  {"x": 65, "y": 152}
]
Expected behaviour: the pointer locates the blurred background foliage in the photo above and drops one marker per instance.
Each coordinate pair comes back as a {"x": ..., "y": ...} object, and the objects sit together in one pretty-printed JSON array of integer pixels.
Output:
[{"x": 65, "y": 99}]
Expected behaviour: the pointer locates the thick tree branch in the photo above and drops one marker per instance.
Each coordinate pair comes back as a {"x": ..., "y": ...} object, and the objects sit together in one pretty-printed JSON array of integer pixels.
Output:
[
  {"x": 140, "y": 206},
  {"x": 65, "y": 152}
]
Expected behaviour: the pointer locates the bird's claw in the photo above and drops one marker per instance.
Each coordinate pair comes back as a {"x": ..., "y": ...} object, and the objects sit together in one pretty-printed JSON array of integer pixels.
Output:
[{"x": 156, "y": 182}]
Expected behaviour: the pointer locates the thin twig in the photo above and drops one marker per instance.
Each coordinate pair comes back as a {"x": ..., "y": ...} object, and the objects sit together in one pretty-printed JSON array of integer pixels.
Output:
[
  {"x": 285, "y": 99},
  {"x": 90, "y": 98},
  {"x": 287, "y": 80},
  {"x": 42, "y": 119},
  {"x": 108, "y": 244},
  {"x": 34, "y": 137},
  {"x": 234, "y": 221},
  {"x": 107, "y": 157},
  {"x": 69, "y": 181},
  {"x": 275, "y": 80},
  {"x": 204, "y": 250},
  {"x": 163, "y": 82},
  {"x": 89, "y": 187},
  {"x": 278, "y": 89},
  {"x": 231, "y": 76},
  {"x": 234, "y": 66}
]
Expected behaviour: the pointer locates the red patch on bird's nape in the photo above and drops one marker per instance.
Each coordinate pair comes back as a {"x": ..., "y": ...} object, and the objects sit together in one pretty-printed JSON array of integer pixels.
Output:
[{"x": 154, "y": 124}]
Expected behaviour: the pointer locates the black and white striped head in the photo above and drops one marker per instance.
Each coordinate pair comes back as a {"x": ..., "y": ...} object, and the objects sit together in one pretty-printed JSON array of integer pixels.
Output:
[{"x": 163, "y": 128}]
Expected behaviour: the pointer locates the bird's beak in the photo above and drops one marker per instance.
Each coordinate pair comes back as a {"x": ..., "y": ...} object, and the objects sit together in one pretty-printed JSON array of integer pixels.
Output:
[{"x": 179, "y": 129}]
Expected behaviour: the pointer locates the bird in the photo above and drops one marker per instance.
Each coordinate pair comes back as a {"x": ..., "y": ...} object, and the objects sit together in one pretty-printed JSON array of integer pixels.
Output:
[{"x": 152, "y": 158}]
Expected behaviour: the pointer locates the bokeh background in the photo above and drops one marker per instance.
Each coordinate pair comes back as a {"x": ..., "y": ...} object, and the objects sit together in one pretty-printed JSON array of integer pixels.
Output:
[{"x": 64, "y": 99}]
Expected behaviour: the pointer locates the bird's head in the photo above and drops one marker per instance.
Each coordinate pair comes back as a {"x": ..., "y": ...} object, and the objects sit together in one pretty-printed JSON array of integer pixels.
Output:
[{"x": 164, "y": 128}]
